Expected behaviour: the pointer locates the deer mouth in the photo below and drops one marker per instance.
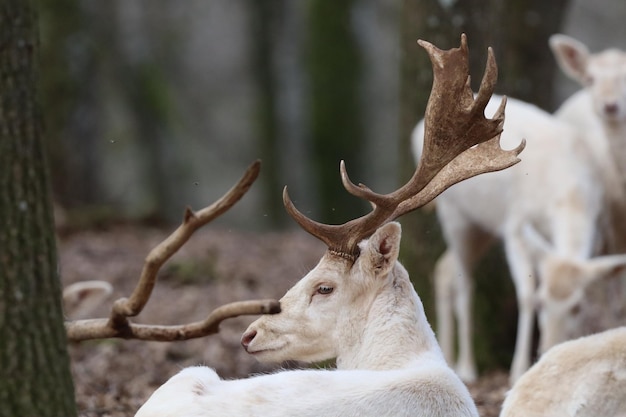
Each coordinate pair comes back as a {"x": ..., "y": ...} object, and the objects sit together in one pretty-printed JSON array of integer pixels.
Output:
[{"x": 259, "y": 352}]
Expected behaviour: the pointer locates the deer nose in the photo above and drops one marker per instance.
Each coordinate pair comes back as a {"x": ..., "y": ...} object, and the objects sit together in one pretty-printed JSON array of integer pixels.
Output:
[
  {"x": 247, "y": 338},
  {"x": 611, "y": 108}
]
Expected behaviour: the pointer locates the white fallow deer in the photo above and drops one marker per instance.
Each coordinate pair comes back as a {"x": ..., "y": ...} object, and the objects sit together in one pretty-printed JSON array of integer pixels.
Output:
[
  {"x": 561, "y": 294},
  {"x": 558, "y": 190},
  {"x": 585, "y": 377},
  {"x": 358, "y": 304},
  {"x": 598, "y": 110}
]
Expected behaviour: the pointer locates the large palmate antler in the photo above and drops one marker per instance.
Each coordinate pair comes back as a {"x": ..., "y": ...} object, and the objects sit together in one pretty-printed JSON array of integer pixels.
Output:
[
  {"x": 459, "y": 143},
  {"x": 118, "y": 325}
]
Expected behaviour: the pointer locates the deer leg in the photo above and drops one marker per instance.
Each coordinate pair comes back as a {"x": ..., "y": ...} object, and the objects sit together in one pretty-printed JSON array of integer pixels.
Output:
[
  {"x": 444, "y": 273},
  {"x": 463, "y": 300},
  {"x": 466, "y": 248},
  {"x": 522, "y": 272}
]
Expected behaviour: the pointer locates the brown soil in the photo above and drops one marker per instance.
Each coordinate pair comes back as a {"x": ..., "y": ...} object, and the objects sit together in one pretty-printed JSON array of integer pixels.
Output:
[{"x": 114, "y": 377}]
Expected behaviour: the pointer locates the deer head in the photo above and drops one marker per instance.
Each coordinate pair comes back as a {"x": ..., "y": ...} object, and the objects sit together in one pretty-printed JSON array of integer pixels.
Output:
[
  {"x": 358, "y": 288},
  {"x": 560, "y": 295},
  {"x": 602, "y": 74}
]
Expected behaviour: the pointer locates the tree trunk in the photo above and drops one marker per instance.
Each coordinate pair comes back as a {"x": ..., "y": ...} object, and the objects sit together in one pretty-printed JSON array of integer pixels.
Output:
[
  {"x": 334, "y": 64},
  {"x": 265, "y": 19},
  {"x": 422, "y": 241},
  {"x": 69, "y": 94},
  {"x": 36, "y": 379}
]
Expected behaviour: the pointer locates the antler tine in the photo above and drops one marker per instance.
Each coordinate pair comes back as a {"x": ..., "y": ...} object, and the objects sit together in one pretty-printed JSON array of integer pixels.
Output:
[
  {"x": 486, "y": 157},
  {"x": 341, "y": 239},
  {"x": 327, "y": 233},
  {"x": 454, "y": 120},
  {"x": 362, "y": 190},
  {"x": 488, "y": 83}
]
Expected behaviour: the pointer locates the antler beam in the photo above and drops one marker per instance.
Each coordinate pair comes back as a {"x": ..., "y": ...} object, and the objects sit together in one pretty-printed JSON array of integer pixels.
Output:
[
  {"x": 118, "y": 325},
  {"x": 459, "y": 143}
]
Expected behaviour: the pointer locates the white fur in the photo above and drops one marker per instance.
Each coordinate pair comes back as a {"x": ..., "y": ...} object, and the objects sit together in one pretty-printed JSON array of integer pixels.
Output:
[
  {"x": 598, "y": 111},
  {"x": 81, "y": 298},
  {"x": 585, "y": 377},
  {"x": 556, "y": 189},
  {"x": 373, "y": 323}
]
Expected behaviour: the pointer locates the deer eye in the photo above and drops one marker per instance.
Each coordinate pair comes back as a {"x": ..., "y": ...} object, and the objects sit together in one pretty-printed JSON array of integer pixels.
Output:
[
  {"x": 324, "y": 289},
  {"x": 575, "y": 309}
]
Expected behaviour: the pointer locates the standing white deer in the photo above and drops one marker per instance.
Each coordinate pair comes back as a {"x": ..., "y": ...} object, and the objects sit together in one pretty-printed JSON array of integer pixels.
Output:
[
  {"x": 598, "y": 110},
  {"x": 358, "y": 304},
  {"x": 557, "y": 188}
]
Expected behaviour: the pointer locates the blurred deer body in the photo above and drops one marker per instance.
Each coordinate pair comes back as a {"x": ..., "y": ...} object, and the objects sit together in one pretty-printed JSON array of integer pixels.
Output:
[
  {"x": 313, "y": 393},
  {"x": 584, "y": 377},
  {"x": 558, "y": 190},
  {"x": 358, "y": 304}
]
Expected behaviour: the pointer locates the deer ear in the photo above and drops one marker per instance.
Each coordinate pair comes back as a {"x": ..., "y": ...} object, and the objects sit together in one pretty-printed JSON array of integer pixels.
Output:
[
  {"x": 572, "y": 57},
  {"x": 604, "y": 267},
  {"x": 381, "y": 251}
]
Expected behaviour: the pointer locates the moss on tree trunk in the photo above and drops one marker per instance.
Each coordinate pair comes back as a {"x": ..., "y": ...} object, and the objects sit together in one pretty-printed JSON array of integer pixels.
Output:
[{"x": 334, "y": 67}]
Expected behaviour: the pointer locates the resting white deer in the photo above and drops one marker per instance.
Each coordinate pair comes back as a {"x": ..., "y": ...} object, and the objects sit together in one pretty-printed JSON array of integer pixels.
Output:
[
  {"x": 358, "y": 305},
  {"x": 598, "y": 111},
  {"x": 584, "y": 377},
  {"x": 558, "y": 190}
]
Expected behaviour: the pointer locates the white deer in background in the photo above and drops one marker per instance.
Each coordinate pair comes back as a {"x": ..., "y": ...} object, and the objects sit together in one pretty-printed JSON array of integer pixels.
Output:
[
  {"x": 556, "y": 188},
  {"x": 584, "y": 377},
  {"x": 562, "y": 290},
  {"x": 358, "y": 304},
  {"x": 598, "y": 110}
]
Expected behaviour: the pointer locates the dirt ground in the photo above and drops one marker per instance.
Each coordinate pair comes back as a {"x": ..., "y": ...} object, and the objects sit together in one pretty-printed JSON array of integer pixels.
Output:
[{"x": 114, "y": 377}]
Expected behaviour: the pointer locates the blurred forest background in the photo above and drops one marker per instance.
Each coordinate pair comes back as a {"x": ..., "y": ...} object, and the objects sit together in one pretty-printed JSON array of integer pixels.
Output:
[{"x": 153, "y": 105}]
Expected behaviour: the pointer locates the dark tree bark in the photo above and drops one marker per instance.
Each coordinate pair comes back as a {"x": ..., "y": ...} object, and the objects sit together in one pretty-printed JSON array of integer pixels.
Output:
[
  {"x": 36, "y": 379},
  {"x": 265, "y": 18},
  {"x": 518, "y": 31},
  {"x": 334, "y": 64},
  {"x": 69, "y": 92}
]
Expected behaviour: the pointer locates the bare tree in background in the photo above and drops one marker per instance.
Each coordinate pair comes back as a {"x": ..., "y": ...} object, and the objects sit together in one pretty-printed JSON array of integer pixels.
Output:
[{"x": 36, "y": 379}]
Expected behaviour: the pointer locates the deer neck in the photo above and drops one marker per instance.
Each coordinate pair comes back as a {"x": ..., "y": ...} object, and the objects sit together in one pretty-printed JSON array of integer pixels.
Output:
[
  {"x": 616, "y": 136},
  {"x": 395, "y": 333}
]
